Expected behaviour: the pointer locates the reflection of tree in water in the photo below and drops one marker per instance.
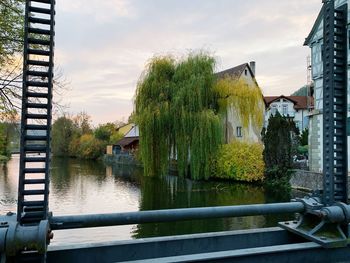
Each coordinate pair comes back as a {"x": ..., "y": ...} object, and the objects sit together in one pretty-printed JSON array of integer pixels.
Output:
[
  {"x": 173, "y": 192},
  {"x": 127, "y": 173},
  {"x": 8, "y": 200},
  {"x": 65, "y": 171}
]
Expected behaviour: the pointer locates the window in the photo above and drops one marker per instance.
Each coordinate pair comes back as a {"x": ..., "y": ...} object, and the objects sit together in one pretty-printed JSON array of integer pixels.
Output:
[
  {"x": 245, "y": 72},
  {"x": 285, "y": 109},
  {"x": 273, "y": 109},
  {"x": 239, "y": 131}
]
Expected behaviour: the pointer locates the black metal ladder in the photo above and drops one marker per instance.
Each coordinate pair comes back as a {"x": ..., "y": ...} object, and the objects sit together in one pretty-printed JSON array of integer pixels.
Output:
[
  {"x": 33, "y": 187},
  {"x": 335, "y": 80}
]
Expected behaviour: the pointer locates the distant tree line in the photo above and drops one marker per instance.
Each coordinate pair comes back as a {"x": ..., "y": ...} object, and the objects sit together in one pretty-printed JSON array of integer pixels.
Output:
[{"x": 74, "y": 136}]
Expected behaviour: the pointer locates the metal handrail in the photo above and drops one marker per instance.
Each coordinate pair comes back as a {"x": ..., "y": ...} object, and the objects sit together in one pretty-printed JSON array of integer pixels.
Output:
[{"x": 171, "y": 215}]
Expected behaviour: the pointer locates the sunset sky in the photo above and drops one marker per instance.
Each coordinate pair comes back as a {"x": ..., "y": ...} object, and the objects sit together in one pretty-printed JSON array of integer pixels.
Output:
[{"x": 102, "y": 47}]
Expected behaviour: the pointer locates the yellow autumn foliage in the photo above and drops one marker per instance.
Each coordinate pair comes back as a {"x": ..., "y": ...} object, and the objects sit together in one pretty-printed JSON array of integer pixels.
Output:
[
  {"x": 246, "y": 99},
  {"x": 241, "y": 161}
]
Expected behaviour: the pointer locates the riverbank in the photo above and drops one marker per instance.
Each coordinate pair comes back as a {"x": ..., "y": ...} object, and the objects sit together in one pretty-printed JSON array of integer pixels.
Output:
[{"x": 120, "y": 159}]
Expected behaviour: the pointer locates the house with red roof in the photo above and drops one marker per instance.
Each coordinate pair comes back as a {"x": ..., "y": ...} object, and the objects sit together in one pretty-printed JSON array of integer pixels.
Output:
[{"x": 296, "y": 107}]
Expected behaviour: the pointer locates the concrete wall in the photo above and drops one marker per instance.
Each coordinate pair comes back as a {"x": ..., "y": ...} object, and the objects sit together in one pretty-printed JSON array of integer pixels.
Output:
[
  {"x": 309, "y": 181},
  {"x": 306, "y": 180}
]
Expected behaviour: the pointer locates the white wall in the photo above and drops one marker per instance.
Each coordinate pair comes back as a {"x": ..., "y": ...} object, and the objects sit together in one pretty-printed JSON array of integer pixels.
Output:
[
  {"x": 299, "y": 116},
  {"x": 250, "y": 133}
]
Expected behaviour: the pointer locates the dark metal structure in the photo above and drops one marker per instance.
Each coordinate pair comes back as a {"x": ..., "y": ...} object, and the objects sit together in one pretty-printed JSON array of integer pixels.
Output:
[
  {"x": 335, "y": 80},
  {"x": 322, "y": 221},
  {"x": 33, "y": 189}
]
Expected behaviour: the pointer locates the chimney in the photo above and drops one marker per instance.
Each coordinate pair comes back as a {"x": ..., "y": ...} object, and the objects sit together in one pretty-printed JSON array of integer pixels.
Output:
[{"x": 252, "y": 66}]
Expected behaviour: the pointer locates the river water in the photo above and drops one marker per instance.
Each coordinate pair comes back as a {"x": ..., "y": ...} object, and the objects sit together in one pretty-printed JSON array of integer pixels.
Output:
[{"x": 86, "y": 187}]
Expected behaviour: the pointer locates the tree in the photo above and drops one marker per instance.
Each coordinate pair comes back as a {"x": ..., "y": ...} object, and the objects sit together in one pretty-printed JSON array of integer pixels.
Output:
[
  {"x": 11, "y": 29},
  {"x": 82, "y": 123},
  {"x": 277, "y": 139},
  {"x": 304, "y": 137},
  {"x": 63, "y": 132},
  {"x": 90, "y": 147},
  {"x": 176, "y": 111},
  {"x": 104, "y": 131},
  {"x": 11, "y": 60},
  {"x": 300, "y": 92}
]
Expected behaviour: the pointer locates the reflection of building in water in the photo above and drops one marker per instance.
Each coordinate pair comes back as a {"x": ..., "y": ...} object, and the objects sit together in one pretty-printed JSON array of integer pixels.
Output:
[{"x": 109, "y": 171}]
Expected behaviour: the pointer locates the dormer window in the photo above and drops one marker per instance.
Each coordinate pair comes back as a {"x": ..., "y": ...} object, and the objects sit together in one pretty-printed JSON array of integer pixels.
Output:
[
  {"x": 273, "y": 109},
  {"x": 285, "y": 110}
]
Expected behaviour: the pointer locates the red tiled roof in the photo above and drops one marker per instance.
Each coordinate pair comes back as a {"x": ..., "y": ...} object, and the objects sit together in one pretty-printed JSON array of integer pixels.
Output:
[{"x": 300, "y": 102}]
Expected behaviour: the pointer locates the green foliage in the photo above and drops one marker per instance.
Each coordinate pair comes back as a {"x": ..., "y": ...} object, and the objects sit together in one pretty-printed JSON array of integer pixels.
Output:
[
  {"x": 11, "y": 28},
  {"x": 278, "y": 142},
  {"x": 240, "y": 161},
  {"x": 300, "y": 92},
  {"x": 304, "y": 137},
  {"x": 63, "y": 132},
  {"x": 115, "y": 137},
  {"x": 90, "y": 147},
  {"x": 176, "y": 111},
  {"x": 303, "y": 150},
  {"x": 73, "y": 136},
  {"x": 7, "y": 134},
  {"x": 4, "y": 159},
  {"x": 245, "y": 99},
  {"x": 82, "y": 123},
  {"x": 108, "y": 133}
]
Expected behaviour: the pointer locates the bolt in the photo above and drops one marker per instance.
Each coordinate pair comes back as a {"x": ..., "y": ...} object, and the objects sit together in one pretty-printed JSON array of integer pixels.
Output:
[
  {"x": 9, "y": 214},
  {"x": 287, "y": 223},
  {"x": 49, "y": 236},
  {"x": 4, "y": 223},
  {"x": 295, "y": 222}
]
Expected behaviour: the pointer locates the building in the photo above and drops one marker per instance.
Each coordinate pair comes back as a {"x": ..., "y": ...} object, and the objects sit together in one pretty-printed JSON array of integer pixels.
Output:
[
  {"x": 232, "y": 126},
  {"x": 129, "y": 143},
  {"x": 296, "y": 107},
  {"x": 315, "y": 41}
]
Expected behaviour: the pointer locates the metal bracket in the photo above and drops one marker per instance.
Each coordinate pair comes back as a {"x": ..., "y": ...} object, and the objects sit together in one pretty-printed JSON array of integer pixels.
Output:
[
  {"x": 323, "y": 225},
  {"x": 15, "y": 238}
]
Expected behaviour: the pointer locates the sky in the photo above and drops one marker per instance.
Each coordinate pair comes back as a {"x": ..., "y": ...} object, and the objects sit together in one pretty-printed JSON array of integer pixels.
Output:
[{"x": 102, "y": 47}]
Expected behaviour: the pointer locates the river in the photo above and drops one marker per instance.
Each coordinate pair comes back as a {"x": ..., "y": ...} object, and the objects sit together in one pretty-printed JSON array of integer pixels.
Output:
[{"x": 85, "y": 187}]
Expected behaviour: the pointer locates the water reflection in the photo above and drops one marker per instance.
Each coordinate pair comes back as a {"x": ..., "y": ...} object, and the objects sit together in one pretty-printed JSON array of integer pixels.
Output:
[
  {"x": 174, "y": 192},
  {"x": 85, "y": 187}
]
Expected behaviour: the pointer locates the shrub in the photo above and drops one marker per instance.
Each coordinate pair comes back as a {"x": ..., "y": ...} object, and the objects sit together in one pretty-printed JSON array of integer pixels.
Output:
[
  {"x": 240, "y": 161},
  {"x": 90, "y": 147}
]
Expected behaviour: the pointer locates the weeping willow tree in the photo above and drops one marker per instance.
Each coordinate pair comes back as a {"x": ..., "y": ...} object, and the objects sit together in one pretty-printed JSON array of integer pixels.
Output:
[
  {"x": 176, "y": 111},
  {"x": 245, "y": 99}
]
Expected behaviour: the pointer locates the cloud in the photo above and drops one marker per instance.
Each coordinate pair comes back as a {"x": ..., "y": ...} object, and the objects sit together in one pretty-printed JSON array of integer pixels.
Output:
[
  {"x": 103, "y": 46},
  {"x": 101, "y": 11}
]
